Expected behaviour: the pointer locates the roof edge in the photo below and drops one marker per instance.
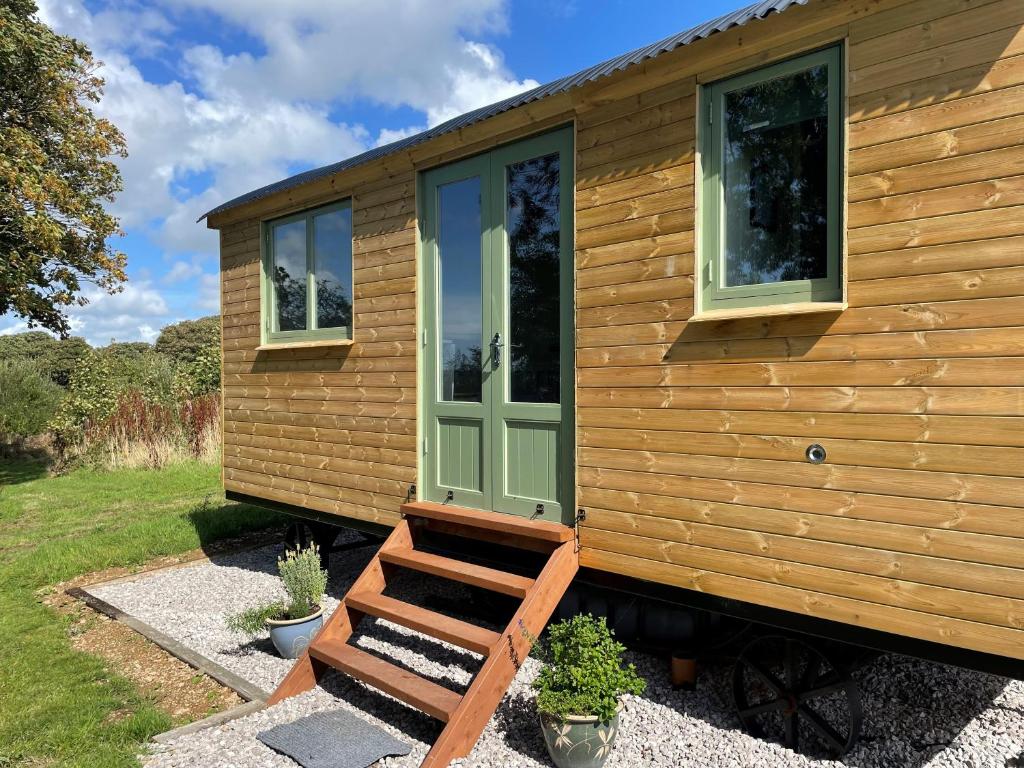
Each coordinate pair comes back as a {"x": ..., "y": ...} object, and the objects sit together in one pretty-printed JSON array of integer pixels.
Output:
[{"x": 738, "y": 18}]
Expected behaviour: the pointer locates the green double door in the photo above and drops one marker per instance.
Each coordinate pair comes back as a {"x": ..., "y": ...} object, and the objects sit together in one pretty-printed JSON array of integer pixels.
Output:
[{"x": 497, "y": 330}]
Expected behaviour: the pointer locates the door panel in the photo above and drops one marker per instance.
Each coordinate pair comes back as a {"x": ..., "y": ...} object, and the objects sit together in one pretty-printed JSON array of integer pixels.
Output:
[
  {"x": 498, "y": 321},
  {"x": 456, "y": 323},
  {"x": 460, "y": 454},
  {"x": 532, "y": 459}
]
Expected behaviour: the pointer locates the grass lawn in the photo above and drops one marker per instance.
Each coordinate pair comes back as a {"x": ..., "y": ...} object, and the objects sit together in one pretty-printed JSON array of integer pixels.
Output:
[{"x": 59, "y": 706}]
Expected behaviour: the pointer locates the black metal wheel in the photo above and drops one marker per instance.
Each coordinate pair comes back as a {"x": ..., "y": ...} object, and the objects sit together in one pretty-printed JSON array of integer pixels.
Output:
[
  {"x": 790, "y": 691},
  {"x": 302, "y": 533}
]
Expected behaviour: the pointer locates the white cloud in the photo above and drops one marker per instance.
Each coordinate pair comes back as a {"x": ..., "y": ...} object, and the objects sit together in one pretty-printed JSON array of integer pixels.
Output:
[
  {"x": 209, "y": 293},
  {"x": 129, "y": 315},
  {"x": 402, "y": 53},
  {"x": 16, "y": 326},
  {"x": 251, "y": 117},
  {"x": 236, "y": 121},
  {"x": 388, "y": 135},
  {"x": 181, "y": 270}
]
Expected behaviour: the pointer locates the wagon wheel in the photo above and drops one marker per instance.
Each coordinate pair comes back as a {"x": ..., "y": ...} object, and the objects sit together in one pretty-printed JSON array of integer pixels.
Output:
[
  {"x": 787, "y": 690},
  {"x": 301, "y": 533}
]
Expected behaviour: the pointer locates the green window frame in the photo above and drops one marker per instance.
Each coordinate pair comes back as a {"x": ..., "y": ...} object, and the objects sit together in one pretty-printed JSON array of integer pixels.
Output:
[
  {"x": 713, "y": 292},
  {"x": 270, "y": 289}
]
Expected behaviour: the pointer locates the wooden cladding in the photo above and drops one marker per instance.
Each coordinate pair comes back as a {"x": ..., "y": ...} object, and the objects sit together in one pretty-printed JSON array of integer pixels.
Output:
[
  {"x": 690, "y": 436},
  {"x": 332, "y": 429}
]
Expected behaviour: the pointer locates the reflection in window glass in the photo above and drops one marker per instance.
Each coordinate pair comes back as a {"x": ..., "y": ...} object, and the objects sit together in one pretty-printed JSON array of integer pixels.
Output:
[
  {"x": 534, "y": 231},
  {"x": 775, "y": 180},
  {"x": 461, "y": 305},
  {"x": 289, "y": 275},
  {"x": 332, "y": 268}
]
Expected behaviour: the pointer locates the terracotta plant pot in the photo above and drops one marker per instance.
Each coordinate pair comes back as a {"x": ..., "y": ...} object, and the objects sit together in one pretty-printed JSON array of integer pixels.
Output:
[
  {"x": 579, "y": 741},
  {"x": 292, "y": 636}
]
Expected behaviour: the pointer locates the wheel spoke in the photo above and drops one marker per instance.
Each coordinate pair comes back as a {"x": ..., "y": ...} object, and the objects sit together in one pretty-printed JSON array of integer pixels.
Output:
[
  {"x": 790, "y": 663},
  {"x": 822, "y": 690},
  {"x": 792, "y": 731},
  {"x": 811, "y": 672},
  {"x": 826, "y": 731},
  {"x": 760, "y": 709},
  {"x": 769, "y": 679}
]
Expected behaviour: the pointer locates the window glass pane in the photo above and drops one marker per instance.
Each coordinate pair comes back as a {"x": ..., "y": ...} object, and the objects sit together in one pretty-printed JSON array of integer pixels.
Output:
[
  {"x": 288, "y": 273},
  {"x": 775, "y": 180},
  {"x": 534, "y": 229},
  {"x": 461, "y": 305},
  {"x": 332, "y": 268}
]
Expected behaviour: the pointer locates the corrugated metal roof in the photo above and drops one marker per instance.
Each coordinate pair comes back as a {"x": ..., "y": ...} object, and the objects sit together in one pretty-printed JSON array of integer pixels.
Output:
[{"x": 735, "y": 19}]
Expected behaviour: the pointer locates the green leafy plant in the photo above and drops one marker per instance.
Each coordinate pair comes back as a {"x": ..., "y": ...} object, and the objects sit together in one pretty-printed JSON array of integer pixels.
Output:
[
  {"x": 123, "y": 409},
  {"x": 28, "y": 400},
  {"x": 304, "y": 582},
  {"x": 583, "y": 672},
  {"x": 56, "y": 358},
  {"x": 58, "y": 173},
  {"x": 254, "y": 620}
]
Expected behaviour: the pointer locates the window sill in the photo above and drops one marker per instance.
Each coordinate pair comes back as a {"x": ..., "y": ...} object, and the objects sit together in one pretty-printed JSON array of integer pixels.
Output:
[
  {"x": 769, "y": 310},
  {"x": 317, "y": 344}
]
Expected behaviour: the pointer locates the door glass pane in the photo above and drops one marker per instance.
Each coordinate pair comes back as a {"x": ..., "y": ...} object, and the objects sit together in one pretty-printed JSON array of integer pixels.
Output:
[
  {"x": 461, "y": 302},
  {"x": 534, "y": 230},
  {"x": 289, "y": 275},
  {"x": 775, "y": 180},
  {"x": 332, "y": 265}
]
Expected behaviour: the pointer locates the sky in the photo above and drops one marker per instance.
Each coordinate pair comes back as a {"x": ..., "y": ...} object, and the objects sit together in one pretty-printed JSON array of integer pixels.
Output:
[{"x": 218, "y": 97}]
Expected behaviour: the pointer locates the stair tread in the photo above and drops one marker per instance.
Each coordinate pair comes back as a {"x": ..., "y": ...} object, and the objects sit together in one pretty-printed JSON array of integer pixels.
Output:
[
  {"x": 427, "y": 696},
  {"x": 457, "y": 570},
  {"x": 495, "y": 521},
  {"x": 460, "y": 633}
]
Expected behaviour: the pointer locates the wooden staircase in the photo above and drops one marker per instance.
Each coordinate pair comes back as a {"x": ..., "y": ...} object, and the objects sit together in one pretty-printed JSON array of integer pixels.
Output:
[{"x": 465, "y": 715}]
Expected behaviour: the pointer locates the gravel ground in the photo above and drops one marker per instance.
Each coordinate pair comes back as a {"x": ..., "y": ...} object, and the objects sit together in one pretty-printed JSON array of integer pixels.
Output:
[{"x": 917, "y": 714}]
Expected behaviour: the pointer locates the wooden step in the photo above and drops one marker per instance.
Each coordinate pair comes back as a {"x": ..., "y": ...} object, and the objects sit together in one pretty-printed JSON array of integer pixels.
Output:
[
  {"x": 494, "y": 521},
  {"x": 460, "y": 633},
  {"x": 457, "y": 570},
  {"x": 425, "y": 695}
]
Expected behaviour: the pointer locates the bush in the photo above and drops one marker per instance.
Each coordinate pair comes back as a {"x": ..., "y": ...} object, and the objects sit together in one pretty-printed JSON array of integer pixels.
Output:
[
  {"x": 305, "y": 583},
  {"x": 28, "y": 400},
  {"x": 189, "y": 338},
  {"x": 98, "y": 384},
  {"x": 56, "y": 358},
  {"x": 125, "y": 408},
  {"x": 136, "y": 433},
  {"x": 583, "y": 672},
  {"x": 199, "y": 375}
]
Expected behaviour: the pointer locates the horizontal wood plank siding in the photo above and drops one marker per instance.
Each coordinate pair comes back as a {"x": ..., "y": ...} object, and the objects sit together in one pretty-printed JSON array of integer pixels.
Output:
[
  {"x": 333, "y": 430},
  {"x": 690, "y": 436}
]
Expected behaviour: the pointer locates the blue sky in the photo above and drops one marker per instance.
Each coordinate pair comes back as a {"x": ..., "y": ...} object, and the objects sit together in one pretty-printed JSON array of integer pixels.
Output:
[{"x": 217, "y": 97}]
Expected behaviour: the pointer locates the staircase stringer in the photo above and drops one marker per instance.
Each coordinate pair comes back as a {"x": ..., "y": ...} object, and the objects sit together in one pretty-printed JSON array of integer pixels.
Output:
[
  {"x": 506, "y": 657},
  {"x": 307, "y": 671}
]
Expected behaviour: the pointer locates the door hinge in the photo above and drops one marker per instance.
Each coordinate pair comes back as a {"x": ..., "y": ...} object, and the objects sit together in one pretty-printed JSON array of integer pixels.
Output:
[
  {"x": 711, "y": 112},
  {"x": 423, "y": 337},
  {"x": 708, "y": 273},
  {"x": 425, "y": 447}
]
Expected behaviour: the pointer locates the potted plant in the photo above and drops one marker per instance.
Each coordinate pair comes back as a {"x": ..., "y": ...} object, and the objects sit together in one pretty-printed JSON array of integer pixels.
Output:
[
  {"x": 293, "y": 624},
  {"x": 580, "y": 689}
]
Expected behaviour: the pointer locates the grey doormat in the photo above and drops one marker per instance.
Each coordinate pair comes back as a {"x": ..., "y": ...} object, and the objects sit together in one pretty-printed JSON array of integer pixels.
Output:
[{"x": 335, "y": 739}]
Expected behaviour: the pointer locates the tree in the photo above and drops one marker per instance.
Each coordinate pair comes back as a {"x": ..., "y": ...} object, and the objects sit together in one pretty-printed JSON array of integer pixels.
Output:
[
  {"x": 185, "y": 340},
  {"x": 56, "y": 172},
  {"x": 55, "y": 358},
  {"x": 126, "y": 350},
  {"x": 28, "y": 400}
]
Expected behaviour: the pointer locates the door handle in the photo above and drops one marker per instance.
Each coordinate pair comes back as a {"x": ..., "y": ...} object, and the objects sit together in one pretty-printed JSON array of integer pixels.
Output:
[{"x": 496, "y": 345}]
